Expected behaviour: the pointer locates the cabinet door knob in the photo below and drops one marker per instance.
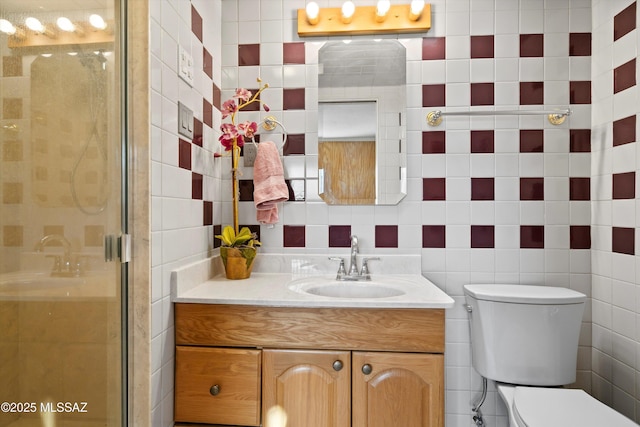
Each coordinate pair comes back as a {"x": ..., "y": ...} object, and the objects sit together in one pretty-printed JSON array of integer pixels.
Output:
[
  {"x": 214, "y": 390},
  {"x": 337, "y": 365},
  {"x": 367, "y": 369}
]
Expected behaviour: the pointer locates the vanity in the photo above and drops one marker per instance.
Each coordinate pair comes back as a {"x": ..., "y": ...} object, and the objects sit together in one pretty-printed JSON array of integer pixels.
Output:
[{"x": 290, "y": 345}]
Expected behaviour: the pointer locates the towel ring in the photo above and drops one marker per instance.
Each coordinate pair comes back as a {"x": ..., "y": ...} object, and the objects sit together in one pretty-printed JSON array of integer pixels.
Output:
[{"x": 270, "y": 123}]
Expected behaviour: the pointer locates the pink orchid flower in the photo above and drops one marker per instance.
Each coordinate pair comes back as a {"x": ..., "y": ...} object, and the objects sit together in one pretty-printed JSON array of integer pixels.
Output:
[
  {"x": 229, "y": 107},
  {"x": 243, "y": 94},
  {"x": 248, "y": 128}
]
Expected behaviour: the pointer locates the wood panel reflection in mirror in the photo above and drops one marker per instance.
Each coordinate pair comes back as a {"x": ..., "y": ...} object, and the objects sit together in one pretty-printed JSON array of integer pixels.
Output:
[{"x": 362, "y": 97}]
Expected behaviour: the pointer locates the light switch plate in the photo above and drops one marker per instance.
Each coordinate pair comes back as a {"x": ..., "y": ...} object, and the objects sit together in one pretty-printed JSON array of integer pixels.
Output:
[
  {"x": 185, "y": 120},
  {"x": 249, "y": 152},
  {"x": 185, "y": 65}
]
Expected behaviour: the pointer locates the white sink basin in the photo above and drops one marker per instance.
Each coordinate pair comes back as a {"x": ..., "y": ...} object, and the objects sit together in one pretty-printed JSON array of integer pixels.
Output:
[{"x": 328, "y": 287}]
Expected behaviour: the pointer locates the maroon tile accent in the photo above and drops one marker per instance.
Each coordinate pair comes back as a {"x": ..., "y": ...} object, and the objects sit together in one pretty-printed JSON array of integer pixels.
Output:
[
  {"x": 580, "y": 140},
  {"x": 579, "y": 44},
  {"x": 11, "y": 66},
  {"x": 196, "y": 186},
  {"x": 580, "y": 237},
  {"x": 580, "y": 92},
  {"x": 433, "y": 95},
  {"x": 434, "y": 189},
  {"x": 625, "y": 21},
  {"x": 245, "y": 189},
  {"x": 254, "y": 106},
  {"x": 196, "y": 23},
  {"x": 531, "y": 93},
  {"x": 197, "y": 132},
  {"x": 624, "y": 185},
  {"x": 184, "y": 154},
  {"x": 481, "y": 47},
  {"x": 207, "y": 63},
  {"x": 624, "y": 76},
  {"x": 531, "y": 141},
  {"x": 293, "y": 99},
  {"x": 532, "y": 236},
  {"x": 248, "y": 54},
  {"x": 482, "y": 94},
  {"x": 294, "y": 145},
  {"x": 579, "y": 188},
  {"x": 433, "y": 48},
  {"x": 207, "y": 112},
  {"x": 531, "y": 188},
  {"x": 294, "y": 236},
  {"x": 531, "y": 45},
  {"x": 482, "y": 141},
  {"x": 623, "y": 240},
  {"x": 217, "y": 230},
  {"x": 386, "y": 236},
  {"x": 433, "y": 236},
  {"x": 339, "y": 236},
  {"x": 207, "y": 213},
  {"x": 433, "y": 142},
  {"x": 293, "y": 53},
  {"x": 482, "y": 189},
  {"x": 482, "y": 236},
  {"x": 12, "y": 108},
  {"x": 624, "y": 131},
  {"x": 254, "y": 228},
  {"x": 217, "y": 97}
]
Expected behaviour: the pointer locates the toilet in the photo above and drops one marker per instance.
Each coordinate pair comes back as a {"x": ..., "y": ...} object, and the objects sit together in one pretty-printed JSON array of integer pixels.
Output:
[{"x": 525, "y": 338}]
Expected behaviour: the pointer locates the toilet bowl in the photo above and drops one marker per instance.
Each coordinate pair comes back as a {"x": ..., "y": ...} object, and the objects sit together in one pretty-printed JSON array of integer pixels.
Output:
[
  {"x": 525, "y": 338},
  {"x": 557, "y": 407}
]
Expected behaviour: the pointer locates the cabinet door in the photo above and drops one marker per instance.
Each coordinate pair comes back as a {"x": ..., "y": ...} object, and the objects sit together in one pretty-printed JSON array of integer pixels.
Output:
[
  {"x": 310, "y": 388},
  {"x": 217, "y": 385},
  {"x": 398, "y": 389}
]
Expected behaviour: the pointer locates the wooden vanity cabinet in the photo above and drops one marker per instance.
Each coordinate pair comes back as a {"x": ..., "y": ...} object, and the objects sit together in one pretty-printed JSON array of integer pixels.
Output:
[{"x": 326, "y": 367}]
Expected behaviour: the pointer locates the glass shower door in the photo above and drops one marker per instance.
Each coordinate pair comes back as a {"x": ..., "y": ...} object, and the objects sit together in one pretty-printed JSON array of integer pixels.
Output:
[{"x": 61, "y": 316}]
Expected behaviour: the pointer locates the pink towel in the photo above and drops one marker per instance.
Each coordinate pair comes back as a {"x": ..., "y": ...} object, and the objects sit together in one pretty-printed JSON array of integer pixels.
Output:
[{"x": 269, "y": 187}]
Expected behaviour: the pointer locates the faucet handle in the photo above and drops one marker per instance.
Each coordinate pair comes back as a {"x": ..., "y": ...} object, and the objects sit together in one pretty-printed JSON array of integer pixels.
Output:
[
  {"x": 341, "y": 270},
  {"x": 365, "y": 266}
]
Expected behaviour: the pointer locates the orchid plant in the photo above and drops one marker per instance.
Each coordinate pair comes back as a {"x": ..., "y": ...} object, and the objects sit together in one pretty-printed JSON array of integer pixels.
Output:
[{"x": 234, "y": 136}]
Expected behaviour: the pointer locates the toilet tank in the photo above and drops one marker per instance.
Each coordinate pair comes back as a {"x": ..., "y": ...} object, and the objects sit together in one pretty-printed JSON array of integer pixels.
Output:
[{"x": 523, "y": 334}]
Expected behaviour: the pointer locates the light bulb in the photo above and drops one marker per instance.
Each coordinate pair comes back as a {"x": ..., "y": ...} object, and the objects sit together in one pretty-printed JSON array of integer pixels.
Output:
[
  {"x": 7, "y": 27},
  {"x": 417, "y": 6},
  {"x": 381, "y": 10},
  {"x": 34, "y": 24},
  {"x": 65, "y": 24},
  {"x": 97, "y": 22},
  {"x": 313, "y": 11},
  {"x": 348, "y": 9}
]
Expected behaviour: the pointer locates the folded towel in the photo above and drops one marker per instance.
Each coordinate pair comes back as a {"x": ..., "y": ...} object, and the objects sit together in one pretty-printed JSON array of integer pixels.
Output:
[{"x": 269, "y": 187}]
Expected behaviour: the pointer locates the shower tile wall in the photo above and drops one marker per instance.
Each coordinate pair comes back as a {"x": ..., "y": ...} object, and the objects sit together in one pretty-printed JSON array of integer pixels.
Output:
[
  {"x": 615, "y": 164},
  {"x": 505, "y": 199}
]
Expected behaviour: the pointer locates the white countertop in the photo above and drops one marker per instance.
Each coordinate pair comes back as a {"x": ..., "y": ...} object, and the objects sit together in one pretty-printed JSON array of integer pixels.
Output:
[{"x": 194, "y": 284}]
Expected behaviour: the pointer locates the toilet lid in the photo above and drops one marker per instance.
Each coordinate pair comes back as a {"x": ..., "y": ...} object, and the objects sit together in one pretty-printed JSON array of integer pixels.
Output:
[{"x": 558, "y": 407}]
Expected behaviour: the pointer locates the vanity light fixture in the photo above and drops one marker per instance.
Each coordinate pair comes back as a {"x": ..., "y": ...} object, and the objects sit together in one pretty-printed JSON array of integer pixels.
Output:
[
  {"x": 38, "y": 27},
  {"x": 382, "y": 8},
  {"x": 379, "y": 19},
  {"x": 11, "y": 30},
  {"x": 348, "y": 9},
  {"x": 312, "y": 10},
  {"x": 97, "y": 22},
  {"x": 416, "y": 8},
  {"x": 66, "y": 25}
]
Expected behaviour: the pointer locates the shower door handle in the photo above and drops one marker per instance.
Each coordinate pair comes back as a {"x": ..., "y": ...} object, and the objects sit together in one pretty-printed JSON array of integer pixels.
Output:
[{"x": 117, "y": 247}]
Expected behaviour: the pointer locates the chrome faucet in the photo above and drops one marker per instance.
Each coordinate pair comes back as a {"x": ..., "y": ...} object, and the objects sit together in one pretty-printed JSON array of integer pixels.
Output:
[
  {"x": 61, "y": 266},
  {"x": 353, "y": 273}
]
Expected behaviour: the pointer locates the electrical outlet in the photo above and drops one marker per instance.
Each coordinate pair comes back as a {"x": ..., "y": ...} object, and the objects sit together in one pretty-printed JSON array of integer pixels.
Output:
[
  {"x": 185, "y": 65},
  {"x": 249, "y": 152}
]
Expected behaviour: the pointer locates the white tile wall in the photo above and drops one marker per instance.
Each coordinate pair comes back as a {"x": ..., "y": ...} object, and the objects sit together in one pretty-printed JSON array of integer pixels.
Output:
[{"x": 178, "y": 239}]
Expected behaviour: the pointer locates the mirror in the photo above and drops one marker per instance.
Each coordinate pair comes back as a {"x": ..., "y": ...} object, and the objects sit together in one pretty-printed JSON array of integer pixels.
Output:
[{"x": 362, "y": 122}]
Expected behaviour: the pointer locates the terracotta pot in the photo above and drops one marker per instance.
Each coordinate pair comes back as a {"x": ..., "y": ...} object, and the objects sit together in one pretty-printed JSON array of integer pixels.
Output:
[{"x": 238, "y": 262}]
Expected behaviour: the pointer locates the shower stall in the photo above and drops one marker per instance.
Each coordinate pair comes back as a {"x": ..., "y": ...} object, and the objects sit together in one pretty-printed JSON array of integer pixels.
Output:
[{"x": 63, "y": 268}]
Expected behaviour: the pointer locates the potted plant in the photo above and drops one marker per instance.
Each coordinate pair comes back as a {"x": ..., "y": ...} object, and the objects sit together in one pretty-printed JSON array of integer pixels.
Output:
[
  {"x": 238, "y": 248},
  {"x": 238, "y": 252}
]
